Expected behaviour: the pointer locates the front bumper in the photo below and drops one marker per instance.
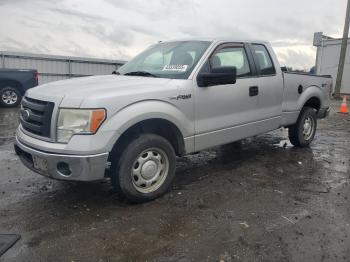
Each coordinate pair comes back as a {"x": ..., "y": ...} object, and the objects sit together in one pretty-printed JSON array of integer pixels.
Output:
[
  {"x": 323, "y": 112},
  {"x": 63, "y": 167}
]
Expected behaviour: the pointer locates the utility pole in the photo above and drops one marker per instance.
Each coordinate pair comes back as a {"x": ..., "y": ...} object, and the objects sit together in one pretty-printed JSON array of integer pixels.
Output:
[{"x": 344, "y": 45}]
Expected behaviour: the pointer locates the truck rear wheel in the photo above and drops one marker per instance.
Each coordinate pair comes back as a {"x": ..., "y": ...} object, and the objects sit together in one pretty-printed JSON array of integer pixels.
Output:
[
  {"x": 9, "y": 96},
  {"x": 145, "y": 169},
  {"x": 303, "y": 132}
]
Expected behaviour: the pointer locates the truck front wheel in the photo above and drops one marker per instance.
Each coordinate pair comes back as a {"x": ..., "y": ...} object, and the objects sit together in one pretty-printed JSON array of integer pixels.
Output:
[
  {"x": 303, "y": 132},
  {"x": 9, "y": 96},
  {"x": 145, "y": 169}
]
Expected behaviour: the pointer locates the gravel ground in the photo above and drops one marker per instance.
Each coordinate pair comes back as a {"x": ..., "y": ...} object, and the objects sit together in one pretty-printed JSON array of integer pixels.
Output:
[{"x": 258, "y": 200}]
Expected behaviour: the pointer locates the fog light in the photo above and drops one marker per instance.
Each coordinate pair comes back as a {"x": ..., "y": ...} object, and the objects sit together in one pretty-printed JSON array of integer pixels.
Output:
[{"x": 64, "y": 169}]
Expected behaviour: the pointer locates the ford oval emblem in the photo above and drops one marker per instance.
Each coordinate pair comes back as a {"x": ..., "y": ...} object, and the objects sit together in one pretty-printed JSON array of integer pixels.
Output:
[{"x": 25, "y": 114}]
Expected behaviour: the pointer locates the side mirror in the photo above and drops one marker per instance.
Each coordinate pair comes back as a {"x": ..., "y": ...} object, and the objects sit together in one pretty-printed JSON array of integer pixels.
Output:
[
  {"x": 284, "y": 69},
  {"x": 223, "y": 75}
]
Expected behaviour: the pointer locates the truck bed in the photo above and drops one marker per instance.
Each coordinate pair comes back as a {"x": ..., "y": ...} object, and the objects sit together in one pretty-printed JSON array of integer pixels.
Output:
[{"x": 300, "y": 85}]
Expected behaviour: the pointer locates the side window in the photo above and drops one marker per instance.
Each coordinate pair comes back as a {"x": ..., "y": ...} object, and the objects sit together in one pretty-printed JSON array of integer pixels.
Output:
[
  {"x": 264, "y": 60},
  {"x": 232, "y": 56}
]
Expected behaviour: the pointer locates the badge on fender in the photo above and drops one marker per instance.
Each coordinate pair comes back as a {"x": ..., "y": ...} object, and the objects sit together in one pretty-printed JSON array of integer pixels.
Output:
[{"x": 186, "y": 96}]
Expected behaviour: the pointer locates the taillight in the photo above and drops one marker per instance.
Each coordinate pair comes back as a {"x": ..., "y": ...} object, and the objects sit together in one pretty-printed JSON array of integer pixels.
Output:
[{"x": 36, "y": 77}]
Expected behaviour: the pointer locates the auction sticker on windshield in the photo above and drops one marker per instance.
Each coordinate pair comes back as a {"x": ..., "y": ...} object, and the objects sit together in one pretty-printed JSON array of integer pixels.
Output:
[{"x": 177, "y": 68}]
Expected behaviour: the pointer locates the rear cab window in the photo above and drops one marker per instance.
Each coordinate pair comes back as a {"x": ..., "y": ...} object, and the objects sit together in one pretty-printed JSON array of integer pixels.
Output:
[{"x": 263, "y": 59}]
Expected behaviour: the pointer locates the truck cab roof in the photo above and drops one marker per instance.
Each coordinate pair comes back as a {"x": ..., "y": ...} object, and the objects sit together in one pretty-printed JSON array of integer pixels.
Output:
[{"x": 218, "y": 40}]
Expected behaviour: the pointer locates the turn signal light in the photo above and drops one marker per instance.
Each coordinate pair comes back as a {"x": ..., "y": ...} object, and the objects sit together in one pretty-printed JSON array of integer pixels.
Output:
[{"x": 97, "y": 118}]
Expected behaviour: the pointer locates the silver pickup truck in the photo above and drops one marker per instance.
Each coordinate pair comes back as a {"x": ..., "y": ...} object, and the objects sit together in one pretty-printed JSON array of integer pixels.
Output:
[{"x": 173, "y": 99}]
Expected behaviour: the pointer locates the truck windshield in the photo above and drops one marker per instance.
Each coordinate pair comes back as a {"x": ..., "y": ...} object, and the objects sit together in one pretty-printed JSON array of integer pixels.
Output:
[{"x": 166, "y": 60}]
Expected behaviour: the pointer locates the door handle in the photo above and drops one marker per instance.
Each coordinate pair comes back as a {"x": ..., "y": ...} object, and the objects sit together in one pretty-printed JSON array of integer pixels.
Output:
[{"x": 253, "y": 91}]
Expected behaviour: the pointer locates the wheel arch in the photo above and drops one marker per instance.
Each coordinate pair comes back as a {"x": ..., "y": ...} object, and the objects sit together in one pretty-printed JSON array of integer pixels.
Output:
[
  {"x": 311, "y": 97},
  {"x": 313, "y": 102},
  {"x": 158, "y": 126},
  {"x": 12, "y": 83}
]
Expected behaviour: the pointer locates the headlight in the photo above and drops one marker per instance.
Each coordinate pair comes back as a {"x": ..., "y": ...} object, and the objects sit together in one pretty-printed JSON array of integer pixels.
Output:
[{"x": 78, "y": 121}]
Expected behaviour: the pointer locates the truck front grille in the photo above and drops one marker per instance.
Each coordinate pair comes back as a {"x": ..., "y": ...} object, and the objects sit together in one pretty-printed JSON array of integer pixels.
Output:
[{"x": 36, "y": 116}]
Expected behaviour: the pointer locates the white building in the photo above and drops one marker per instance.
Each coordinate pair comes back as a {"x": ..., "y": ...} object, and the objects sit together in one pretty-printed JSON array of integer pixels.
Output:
[
  {"x": 53, "y": 68},
  {"x": 327, "y": 59}
]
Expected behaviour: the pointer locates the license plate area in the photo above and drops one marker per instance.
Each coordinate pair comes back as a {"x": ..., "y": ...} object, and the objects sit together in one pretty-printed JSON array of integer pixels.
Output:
[{"x": 40, "y": 163}]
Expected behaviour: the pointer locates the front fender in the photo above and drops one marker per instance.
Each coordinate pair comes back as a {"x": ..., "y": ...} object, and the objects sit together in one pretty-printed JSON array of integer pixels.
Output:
[{"x": 144, "y": 110}]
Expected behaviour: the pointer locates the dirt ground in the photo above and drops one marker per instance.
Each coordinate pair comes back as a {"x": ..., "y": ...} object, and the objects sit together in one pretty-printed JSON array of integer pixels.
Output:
[{"x": 258, "y": 200}]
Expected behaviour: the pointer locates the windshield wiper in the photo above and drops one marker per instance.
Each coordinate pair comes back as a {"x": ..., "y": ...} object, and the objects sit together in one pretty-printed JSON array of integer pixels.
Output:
[{"x": 140, "y": 73}]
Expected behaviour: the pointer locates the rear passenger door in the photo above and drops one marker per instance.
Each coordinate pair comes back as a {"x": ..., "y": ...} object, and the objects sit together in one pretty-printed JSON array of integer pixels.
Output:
[{"x": 270, "y": 85}]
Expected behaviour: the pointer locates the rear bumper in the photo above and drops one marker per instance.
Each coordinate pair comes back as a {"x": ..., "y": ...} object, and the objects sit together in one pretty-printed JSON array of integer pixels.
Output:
[
  {"x": 323, "y": 112},
  {"x": 63, "y": 167}
]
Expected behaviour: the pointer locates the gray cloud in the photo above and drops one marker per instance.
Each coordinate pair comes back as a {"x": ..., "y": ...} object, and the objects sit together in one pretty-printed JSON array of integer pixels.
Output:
[
  {"x": 119, "y": 29},
  {"x": 11, "y": 44},
  {"x": 116, "y": 34},
  {"x": 78, "y": 14},
  {"x": 14, "y": 45},
  {"x": 157, "y": 10},
  {"x": 12, "y": 2},
  {"x": 290, "y": 44},
  {"x": 295, "y": 59}
]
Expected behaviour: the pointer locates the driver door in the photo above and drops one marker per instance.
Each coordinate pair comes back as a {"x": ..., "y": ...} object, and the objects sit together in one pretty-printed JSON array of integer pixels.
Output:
[{"x": 226, "y": 113}]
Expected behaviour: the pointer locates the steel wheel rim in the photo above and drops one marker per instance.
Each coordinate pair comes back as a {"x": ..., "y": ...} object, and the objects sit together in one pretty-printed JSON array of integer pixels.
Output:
[
  {"x": 150, "y": 170},
  {"x": 308, "y": 128},
  {"x": 9, "y": 97}
]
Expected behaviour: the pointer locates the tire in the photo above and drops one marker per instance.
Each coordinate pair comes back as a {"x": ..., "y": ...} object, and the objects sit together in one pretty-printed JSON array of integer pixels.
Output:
[
  {"x": 145, "y": 169},
  {"x": 303, "y": 132},
  {"x": 9, "y": 96}
]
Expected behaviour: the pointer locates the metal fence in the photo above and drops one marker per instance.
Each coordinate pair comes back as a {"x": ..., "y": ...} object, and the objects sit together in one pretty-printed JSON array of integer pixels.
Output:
[{"x": 53, "y": 68}]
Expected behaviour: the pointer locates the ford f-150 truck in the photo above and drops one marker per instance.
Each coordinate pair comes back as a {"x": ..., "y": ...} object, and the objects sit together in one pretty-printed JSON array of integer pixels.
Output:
[
  {"x": 14, "y": 83},
  {"x": 175, "y": 98}
]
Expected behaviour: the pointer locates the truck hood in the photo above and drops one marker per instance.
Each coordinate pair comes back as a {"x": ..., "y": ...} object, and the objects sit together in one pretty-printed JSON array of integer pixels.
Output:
[{"x": 73, "y": 92}]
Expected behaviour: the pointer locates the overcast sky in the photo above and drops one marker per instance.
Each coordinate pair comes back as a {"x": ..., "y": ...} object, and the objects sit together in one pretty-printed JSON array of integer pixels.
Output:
[{"x": 119, "y": 29}]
